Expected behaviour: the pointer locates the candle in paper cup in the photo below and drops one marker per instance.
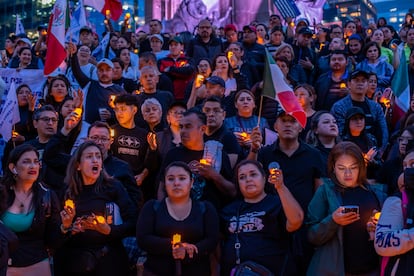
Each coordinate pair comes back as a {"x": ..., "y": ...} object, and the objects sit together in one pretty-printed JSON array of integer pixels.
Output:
[
  {"x": 377, "y": 215},
  {"x": 108, "y": 12},
  {"x": 176, "y": 239},
  {"x": 112, "y": 131},
  {"x": 342, "y": 85}
]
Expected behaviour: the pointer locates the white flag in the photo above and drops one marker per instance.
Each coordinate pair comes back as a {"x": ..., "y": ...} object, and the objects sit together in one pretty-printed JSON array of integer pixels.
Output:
[
  {"x": 78, "y": 20},
  {"x": 19, "y": 26},
  {"x": 9, "y": 115}
]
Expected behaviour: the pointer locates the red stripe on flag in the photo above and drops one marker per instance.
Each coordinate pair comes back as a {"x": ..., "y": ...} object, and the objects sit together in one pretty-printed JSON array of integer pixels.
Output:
[
  {"x": 291, "y": 106},
  {"x": 55, "y": 55}
]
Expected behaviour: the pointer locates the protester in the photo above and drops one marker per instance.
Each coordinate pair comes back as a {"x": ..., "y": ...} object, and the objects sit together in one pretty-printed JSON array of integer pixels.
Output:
[
  {"x": 260, "y": 221},
  {"x": 395, "y": 223},
  {"x": 196, "y": 223},
  {"x": 99, "y": 216},
  {"x": 341, "y": 235},
  {"x": 32, "y": 213}
]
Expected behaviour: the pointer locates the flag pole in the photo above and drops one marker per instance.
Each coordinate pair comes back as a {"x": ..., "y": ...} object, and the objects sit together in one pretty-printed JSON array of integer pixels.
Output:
[{"x": 260, "y": 110}]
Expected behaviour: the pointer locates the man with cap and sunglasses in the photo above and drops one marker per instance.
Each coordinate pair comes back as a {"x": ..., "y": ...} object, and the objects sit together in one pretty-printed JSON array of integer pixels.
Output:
[
  {"x": 305, "y": 56},
  {"x": 98, "y": 94},
  {"x": 253, "y": 51},
  {"x": 375, "y": 122}
]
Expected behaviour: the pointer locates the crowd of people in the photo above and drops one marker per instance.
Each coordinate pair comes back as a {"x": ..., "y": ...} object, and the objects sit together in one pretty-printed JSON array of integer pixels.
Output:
[{"x": 158, "y": 154}]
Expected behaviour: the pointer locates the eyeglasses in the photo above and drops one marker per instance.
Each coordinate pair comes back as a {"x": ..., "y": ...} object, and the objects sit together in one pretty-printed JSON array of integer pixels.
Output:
[
  {"x": 98, "y": 139},
  {"x": 48, "y": 119}
]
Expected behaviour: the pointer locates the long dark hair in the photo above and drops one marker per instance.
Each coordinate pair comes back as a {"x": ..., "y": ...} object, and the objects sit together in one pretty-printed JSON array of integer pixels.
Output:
[
  {"x": 74, "y": 179},
  {"x": 8, "y": 181},
  {"x": 351, "y": 149}
]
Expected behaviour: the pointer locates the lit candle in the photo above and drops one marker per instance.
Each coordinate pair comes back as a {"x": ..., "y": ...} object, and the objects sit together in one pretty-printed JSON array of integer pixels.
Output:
[
  {"x": 127, "y": 16},
  {"x": 112, "y": 132},
  {"x": 176, "y": 239},
  {"x": 78, "y": 111},
  {"x": 203, "y": 161},
  {"x": 377, "y": 215},
  {"x": 274, "y": 168},
  {"x": 342, "y": 85},
  {"x": 244, "y": 135},
  {"x": 112, "y": 97},
  {"x": 69, "y": 204},
  {"x": 229, "y": 54},
  {"x": 15, "y": 133},
  {"x": 100, "y": 219},
  {"x": 108, "y": 12}
]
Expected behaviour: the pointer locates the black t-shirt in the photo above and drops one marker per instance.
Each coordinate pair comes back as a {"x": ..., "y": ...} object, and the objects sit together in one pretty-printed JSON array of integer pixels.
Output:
[
  {"x": 227, "y": 138},
  {"x": 359, "y": 252},
  {"x": 131, "y": 146},
  {"x": 263, "y": 234},
  {"x": 299, "y": 170}
]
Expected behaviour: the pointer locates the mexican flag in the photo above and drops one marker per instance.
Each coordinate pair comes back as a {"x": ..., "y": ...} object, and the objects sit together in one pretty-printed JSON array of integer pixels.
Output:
[
  {"x": 102, "y": 6},
  {"x": 58, "y": 22},
  {"x": 275, "y": 87},
  {"x": 401, "y": 87}
]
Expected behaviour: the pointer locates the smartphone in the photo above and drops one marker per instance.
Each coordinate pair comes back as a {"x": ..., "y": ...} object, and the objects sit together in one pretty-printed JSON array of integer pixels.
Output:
[{"x": 350, "y": 208}]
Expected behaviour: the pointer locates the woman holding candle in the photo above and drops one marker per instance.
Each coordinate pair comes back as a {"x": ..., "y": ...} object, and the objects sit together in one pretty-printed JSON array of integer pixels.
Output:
[
  {"x": 260, "y": 220},
  {"x": 32, "y": 213},
  {"x": 243, "y": 123},
  {"x": 343, "y": 239},
  {"x": 195, "y": 221},
  {"x": 95, "y": 222},
  {"x": 393, "y": 236}
]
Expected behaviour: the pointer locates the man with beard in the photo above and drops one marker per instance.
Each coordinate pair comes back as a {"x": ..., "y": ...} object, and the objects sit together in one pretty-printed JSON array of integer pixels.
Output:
[
  {"x": 205, "y": 44},
  {"x": 332, "y": 85}
]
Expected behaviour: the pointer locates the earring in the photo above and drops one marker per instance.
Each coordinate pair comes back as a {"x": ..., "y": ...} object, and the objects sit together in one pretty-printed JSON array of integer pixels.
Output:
[{"x": 14, "y": 171}]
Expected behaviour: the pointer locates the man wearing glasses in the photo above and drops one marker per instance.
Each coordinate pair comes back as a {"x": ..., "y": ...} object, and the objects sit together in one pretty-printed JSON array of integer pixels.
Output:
[
  {"x": 45, "y": 121},
  {"x": 205, "y": 44}
]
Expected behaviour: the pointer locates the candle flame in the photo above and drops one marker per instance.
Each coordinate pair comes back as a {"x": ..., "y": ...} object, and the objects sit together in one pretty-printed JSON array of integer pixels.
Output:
[
  {"x": 69, "y": 204},
  {"x": 204, "y": 161},
  {"x": 377, "y": 215},
  {"x": 176, "y": 239}
]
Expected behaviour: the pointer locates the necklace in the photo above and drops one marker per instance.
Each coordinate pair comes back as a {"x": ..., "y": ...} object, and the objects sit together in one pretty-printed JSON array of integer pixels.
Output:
[{"x": 22, "y": 203}]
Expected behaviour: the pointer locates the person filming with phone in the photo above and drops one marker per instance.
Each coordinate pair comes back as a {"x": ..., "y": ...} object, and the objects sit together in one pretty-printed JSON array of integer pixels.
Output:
[{"x": 341, "y": 217}]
